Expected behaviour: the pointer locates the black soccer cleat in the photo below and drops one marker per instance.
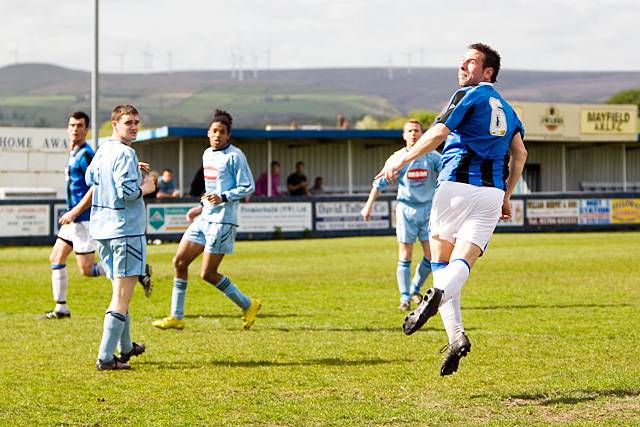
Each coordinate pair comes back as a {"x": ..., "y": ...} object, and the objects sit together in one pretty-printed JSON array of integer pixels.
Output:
[
  {"x": 56, "y": 315},
  {"x": 113, "y": 365},
  {"x": 427, "y": 308},
  {"x": 454, "y": 352},
  {"x": 137, "y": 350},
  {"x": 145, "y": 281}
]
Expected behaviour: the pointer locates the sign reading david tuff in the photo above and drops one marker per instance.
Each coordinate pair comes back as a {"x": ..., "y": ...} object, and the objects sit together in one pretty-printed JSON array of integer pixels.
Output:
[{"x": 33, "y": 139}]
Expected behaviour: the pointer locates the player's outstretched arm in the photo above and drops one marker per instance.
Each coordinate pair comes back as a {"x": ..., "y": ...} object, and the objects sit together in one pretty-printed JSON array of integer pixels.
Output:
[
  {"x": 517, "y": 159},
  {"x": 428, "y": 142},
  {"x": 366, "y": 210}
]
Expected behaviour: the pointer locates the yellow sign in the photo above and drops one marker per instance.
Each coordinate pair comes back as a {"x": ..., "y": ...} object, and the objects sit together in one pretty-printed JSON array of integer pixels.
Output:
[
  {"x": 625, "y": 211},
  {"x": 607, "y": 120}
]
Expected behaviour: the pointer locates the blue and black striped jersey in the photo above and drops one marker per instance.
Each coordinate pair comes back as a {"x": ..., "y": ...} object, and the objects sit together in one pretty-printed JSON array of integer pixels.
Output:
[{"x": 482, "y": 125}]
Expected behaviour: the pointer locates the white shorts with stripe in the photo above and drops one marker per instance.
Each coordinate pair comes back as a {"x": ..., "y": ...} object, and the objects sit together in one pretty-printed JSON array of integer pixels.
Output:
[
  {"x": 465, "y": 212},
  {"x": 77, "y": 235}
]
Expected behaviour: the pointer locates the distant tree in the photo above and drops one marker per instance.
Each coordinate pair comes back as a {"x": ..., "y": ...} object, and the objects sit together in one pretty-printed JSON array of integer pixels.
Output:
[
  {"x": 425, "y": 117},
  {"x": 629, "y": 96}
]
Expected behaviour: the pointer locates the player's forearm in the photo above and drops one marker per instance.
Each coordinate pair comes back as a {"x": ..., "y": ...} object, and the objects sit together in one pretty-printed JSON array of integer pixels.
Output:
[
  {"x": 428, "y": 142},
  {"x": 373, "y": 196},
  {"x": 518, "y": 157},
  {"x": 84, "y": 204}
]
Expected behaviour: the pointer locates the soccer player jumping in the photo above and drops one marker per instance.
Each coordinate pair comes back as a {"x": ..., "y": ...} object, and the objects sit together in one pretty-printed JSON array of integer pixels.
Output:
[
  {"x": 482, "y": 160},
  {"x": 227, "y": 180}
]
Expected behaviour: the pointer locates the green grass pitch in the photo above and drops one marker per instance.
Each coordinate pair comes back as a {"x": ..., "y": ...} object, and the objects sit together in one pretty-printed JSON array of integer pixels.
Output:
[{"x": 553, "y": 318}]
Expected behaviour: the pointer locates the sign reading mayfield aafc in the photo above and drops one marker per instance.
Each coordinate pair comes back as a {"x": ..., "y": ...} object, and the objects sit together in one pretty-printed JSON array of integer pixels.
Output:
[
  {"x": 33, "y": 139},
  {"x": 578, "y": 122}
]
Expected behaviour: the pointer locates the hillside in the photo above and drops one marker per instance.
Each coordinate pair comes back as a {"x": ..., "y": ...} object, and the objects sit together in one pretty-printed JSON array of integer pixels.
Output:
[{"x": 42, "y": 94}]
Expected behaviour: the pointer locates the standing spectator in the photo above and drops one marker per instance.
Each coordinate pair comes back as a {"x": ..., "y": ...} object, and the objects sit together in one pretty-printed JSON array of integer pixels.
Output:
[
  {"x": 166, "y": 186},
  {"x": 317, "y": 186},
  {"x": 154, "y": 178},
  {"x": 197, "y": 184},
  {"x": 341, "y": 121},
  {"x": 262, "y": 184},
  {"x": 297, "y": 183}
]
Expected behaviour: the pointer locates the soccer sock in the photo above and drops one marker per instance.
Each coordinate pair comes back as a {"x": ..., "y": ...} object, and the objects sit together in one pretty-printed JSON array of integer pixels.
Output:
[
  {"x": 113, "y": 325},
  {"x": 59, "y": 283},
  {"x": 98, "y": 269},
  {"x": 233, "y": 293},
  {"x": 403, "y": 275},
  {"x": 452, "y": 279},
  {"x": 452, "y": 318},
  {"x": 437, "y": 268},
  {"x": 178, "y": 295},
  {"x": 422, "y": 272},
  {"x": 126, "y": 344}
]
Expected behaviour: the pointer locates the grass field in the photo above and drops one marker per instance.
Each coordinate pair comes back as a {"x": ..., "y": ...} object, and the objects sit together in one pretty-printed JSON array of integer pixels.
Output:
[{"x": 553, "y": 318}]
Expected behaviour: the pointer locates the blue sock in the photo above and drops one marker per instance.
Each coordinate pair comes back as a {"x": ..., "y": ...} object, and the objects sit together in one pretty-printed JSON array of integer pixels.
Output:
[
  {"x": 234, "y": 294},
  {"x": 403, "y": 274},
  {"x": 178, "y": 295},
  {"x": 126, "y": 344},
  {"x": 422, "y": 272},
  {"x": 113, "y": 326},
  {"x": 98, "y": 270}
]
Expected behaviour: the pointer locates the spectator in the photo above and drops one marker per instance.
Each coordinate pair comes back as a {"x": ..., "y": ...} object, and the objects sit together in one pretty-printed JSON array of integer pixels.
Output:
[
  {"x": 297, "y": 183},
  {"x": 197, "y": 184},
  {"x": 317, "y": 186},
  {"x": 262, "y": 184},
  {"x": 166, "y": 187},
  {"x": 154, "y": 177},
  {"x": 341, "y": 121}
]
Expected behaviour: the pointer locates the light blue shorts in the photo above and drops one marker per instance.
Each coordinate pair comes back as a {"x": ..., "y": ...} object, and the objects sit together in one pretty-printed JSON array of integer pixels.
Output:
[
  {"x": 412, "y": 222},
  {"x": 215, "y": 237},
  {"x": 124, "y": 256}
]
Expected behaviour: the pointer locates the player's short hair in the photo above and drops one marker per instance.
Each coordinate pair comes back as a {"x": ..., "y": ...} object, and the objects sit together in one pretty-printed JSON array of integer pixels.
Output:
[
  {"x": 415, "y": 122},
  {"x": 221, "y": 116},
  {"x": 80, "y": 115},
  {"x": 275, "y": 163},
  {"x": 491, "y": 58},
  {"x": 122, "y": 110},
  {"x": 167, "y": 170}
]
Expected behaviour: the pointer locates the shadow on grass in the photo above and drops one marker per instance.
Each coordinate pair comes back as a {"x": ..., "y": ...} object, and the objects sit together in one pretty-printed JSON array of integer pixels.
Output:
[
  {"x": 307, "y": 328},
  {"x": 235, "y": 316},
  {"x": 529, "y": 306},
  {"x": 329, "y": 361},
  {"x": 569, "y": 398}
]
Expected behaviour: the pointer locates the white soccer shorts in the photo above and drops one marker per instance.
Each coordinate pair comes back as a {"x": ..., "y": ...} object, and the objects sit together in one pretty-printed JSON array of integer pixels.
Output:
[
  {"x": 465, "y": 212},
  {"x": 77, "y": 235}
]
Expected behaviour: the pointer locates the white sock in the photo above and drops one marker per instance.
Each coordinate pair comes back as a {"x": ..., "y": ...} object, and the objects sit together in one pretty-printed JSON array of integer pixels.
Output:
[
  {"x": 451, "y": 279},
  {"x": 452, "y": 318},
  {"x": 59, "y": 284}
]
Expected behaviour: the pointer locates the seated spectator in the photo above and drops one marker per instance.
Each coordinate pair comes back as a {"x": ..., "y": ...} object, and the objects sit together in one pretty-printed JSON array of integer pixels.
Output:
[
  {"x": 317, "y": 186},
  {"x": 197, "y": 184},
  {"x": 262, "y": 184},
  {"x": 166, "y": 187},
  {"x": 154, "y": 177},
  {"x": 297, "y": 183}
]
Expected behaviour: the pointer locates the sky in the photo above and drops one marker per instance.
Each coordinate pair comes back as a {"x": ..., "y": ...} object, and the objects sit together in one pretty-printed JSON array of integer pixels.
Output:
[{"x": 170, "y": 35}]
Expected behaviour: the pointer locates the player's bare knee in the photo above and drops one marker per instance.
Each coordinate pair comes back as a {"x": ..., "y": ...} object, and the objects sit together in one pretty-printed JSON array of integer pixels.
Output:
[
  {"x": 180, "y": 265},
  {"x": 86, "y": 270},
  {"x": 212, "y": 277}
]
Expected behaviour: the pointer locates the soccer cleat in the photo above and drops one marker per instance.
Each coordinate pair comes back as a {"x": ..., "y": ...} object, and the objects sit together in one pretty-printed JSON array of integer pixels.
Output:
[
  {"x": 249, "y": 315},
  {"x": 459, "y": 349},
  {"x": 427, "y": 308},
  {"x": 113, "y": 365},
  {"x": 169, "y": 322},
  {"x": 145, "y": 281},
  {"x": 56, "y": 315},
  {"x": 416, "y": 298},
  {"x": 137, "y": 350},
  {"x": 405, "y": 306}
]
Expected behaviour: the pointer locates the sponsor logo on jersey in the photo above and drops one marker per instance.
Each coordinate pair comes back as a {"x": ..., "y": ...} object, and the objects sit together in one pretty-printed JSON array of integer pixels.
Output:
[
  {"x": 417, "y": 174},
  {"x": 210, "y": 173}
]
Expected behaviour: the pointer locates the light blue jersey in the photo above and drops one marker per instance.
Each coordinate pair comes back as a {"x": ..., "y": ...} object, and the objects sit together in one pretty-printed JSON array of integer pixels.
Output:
[
  {"x": 417, "y": 180},
  {"x": 227, "y": 173},
  {"x": 117, "y": 208},
  {"x": 476, "y": 151}
]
